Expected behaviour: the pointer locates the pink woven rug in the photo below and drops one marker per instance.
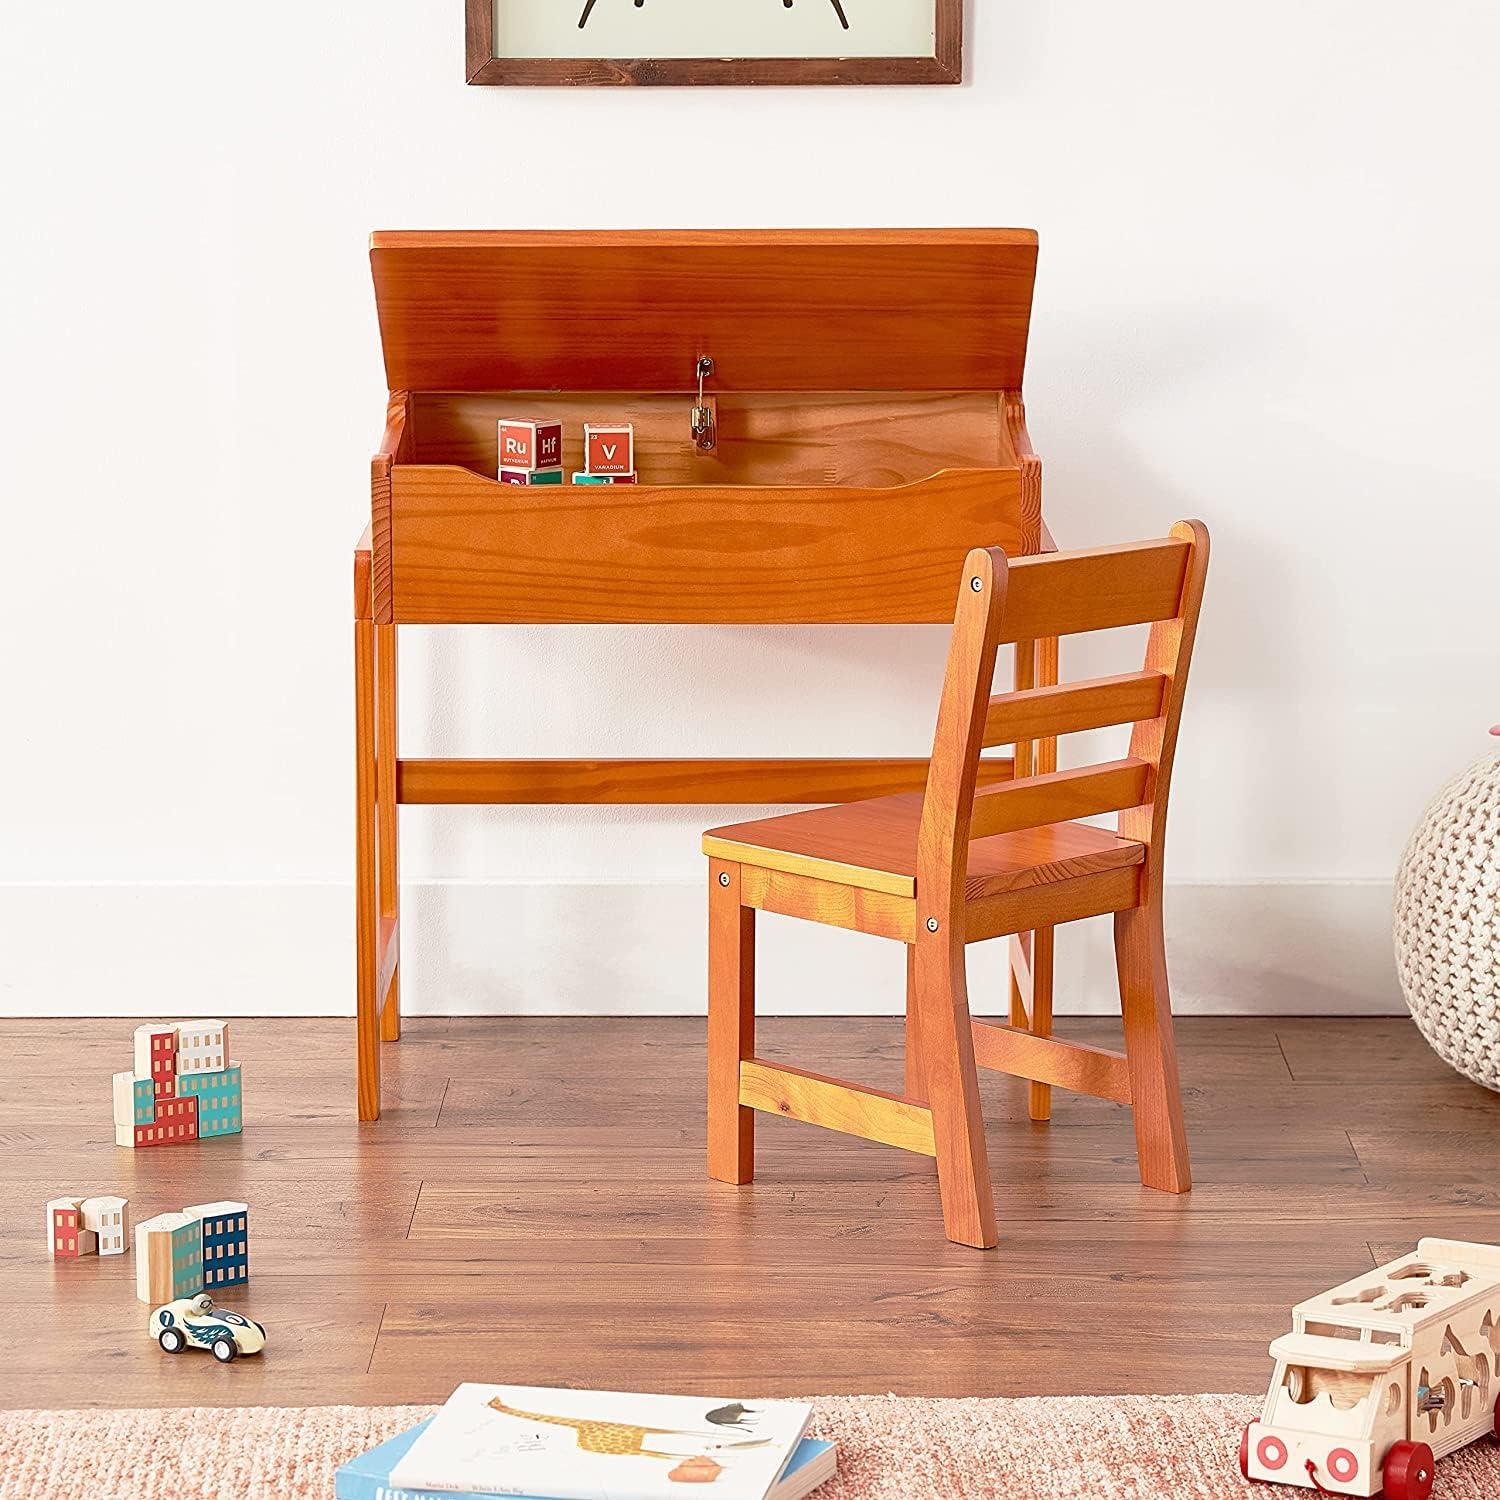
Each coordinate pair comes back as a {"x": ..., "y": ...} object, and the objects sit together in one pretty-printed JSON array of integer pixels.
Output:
[{"x": 891, "y": 1448}]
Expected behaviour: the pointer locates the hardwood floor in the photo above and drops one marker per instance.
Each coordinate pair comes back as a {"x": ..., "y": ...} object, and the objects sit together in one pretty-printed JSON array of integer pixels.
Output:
[{"x": 533, "y": 1208}]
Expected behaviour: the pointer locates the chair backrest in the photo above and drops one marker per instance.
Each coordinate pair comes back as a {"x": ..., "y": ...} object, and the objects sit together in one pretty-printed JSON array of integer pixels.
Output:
[{"x": 1159, "y": 583}]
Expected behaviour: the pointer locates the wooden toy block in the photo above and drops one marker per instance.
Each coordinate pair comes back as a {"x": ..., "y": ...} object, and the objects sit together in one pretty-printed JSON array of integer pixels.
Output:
[
  {"x": 168, "y": 1258},
  {"x": 175, "y": 1121},
  {"x": 184, "y": 1087},
  {"x": 134, "y": 1100},
  {"x": 608, "y": 448},
  {"x": 226, "y": 1242},
  {"x": 67, "y": 1235},
  {"x": 156, "y": 1055},
  {"x": 524, "y": 446},
  {"x": 202, "y": 1047},
  {"x": 108, "y": 1218},
  {"x": 218, "y": 1100},
  {"x": 531, "y": 476},
  {"x": 1384, "y": 1375},
  {"x": 582, "y": 478}
]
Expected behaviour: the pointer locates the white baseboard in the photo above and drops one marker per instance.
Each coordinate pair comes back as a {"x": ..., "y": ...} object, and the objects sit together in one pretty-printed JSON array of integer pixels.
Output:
[{"x": 1313, "y": 948}]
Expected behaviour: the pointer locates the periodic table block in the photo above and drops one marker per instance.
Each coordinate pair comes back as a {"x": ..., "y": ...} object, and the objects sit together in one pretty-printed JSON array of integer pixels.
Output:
[{"x": 524, "y": 446}]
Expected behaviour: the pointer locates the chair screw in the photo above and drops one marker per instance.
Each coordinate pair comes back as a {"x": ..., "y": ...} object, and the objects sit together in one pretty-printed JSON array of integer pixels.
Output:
[
  {"x": 724, "y": 877},
  {"x": 932, "y": 924},
  {"x": 977, "y": 584}
]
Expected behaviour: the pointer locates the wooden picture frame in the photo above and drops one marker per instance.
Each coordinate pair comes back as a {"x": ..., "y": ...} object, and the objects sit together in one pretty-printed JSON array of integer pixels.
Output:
[{"x": 484, "y": 67}]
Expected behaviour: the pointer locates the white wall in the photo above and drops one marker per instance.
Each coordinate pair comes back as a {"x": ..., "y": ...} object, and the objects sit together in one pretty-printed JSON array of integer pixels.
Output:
[{"x": 1267, "y": 297}]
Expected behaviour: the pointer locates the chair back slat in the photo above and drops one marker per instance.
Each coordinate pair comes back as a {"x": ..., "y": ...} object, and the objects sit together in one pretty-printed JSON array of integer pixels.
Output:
[
  {"x": 1038, "y": 713},
  {"x": 1069, "y": 593},
  {"x": 1159, "y": 583},
  {"x": 1060, "y": 797}
]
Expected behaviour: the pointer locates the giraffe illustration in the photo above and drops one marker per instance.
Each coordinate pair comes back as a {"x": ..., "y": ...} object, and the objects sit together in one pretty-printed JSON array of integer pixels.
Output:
[
  {"x": 588, "y": 10},
  {"x": 623, "y": 1439}
]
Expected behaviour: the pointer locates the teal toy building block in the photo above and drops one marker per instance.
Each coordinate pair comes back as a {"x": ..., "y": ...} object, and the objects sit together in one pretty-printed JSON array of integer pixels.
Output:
[
  {"x": 530, "y": 476},
  {"x": 219, "y": 1100},
  {"x": 134, "y": 1100}
]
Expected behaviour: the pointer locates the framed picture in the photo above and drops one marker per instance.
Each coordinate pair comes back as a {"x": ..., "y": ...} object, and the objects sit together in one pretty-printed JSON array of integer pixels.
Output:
[{"x": 529, "y": 42}]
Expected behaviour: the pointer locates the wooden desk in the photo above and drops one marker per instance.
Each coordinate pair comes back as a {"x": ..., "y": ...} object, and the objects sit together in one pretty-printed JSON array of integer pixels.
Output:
[{"x": 870, "y": 431}]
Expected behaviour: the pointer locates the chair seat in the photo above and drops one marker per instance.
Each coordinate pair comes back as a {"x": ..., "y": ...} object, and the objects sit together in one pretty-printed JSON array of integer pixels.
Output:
[{"x": 873, "y": 845}]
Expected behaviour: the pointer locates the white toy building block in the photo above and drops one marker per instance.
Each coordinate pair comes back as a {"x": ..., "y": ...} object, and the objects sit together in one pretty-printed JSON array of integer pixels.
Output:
[
  {"x": 108, "y": 1218},
  {"x": 202, "y": 1046}
]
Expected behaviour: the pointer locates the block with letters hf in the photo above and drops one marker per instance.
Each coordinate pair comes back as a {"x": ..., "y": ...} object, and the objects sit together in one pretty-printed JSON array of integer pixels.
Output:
[
  {"x": 608, "y": 448},
  {"x": 526, "y": 446}
]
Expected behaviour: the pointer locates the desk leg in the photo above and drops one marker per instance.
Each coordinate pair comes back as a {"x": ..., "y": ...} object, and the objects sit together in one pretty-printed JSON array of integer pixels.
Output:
[
  {"x": 1040, "y": 1103},
  {"x": 1025, "y": 678},
  {"x": 731, "y": 1024},
  {"x": 389, "y": 880},
  {"x": 367, "y": 1002}
]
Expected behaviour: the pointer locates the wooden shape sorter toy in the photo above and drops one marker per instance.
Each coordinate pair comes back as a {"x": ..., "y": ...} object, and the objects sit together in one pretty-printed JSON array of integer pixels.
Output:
[
  {"x": 867, "y": 430},
  {"x": 1384, "y": 1375}
]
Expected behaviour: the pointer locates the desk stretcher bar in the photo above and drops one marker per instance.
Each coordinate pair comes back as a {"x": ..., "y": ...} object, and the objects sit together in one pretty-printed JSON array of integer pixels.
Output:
[{"x": 662, "y": 782}]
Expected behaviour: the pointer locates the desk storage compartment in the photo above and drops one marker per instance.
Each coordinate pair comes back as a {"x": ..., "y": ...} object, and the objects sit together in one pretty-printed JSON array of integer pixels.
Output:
[{"x": 813, "y": 508}]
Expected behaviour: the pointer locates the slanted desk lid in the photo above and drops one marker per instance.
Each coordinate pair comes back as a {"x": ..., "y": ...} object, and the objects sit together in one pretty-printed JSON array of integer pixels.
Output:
[{"x": 778, "y": 310}]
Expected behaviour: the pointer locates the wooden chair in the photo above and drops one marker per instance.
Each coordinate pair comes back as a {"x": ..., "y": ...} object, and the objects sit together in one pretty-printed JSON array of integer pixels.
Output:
[{"x": 954, "y": 865}]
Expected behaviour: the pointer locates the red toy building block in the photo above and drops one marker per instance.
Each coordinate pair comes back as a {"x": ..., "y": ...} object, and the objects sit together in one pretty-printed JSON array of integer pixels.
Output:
[
  {"x": 608, "y": 448},
  {"x": 164, "y": 1063},
  {"x": 527, "y": 445},
  {"x": 176, "y": 1121},
  {"x": 65, "y": 1233}
]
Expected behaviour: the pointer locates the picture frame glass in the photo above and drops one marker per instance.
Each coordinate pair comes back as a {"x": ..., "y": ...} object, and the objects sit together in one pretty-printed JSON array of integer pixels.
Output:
[{"x": 702, "y": 29}]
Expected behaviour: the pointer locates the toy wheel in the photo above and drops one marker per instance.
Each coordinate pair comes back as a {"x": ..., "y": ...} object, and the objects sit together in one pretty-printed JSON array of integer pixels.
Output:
[
  {"x": 1407, "y": 1472},
  {"x": 1497, "y": 1419},
  {"x": 224, "y": 1350},
  {"x": 1245, "y": 1453},
  {"x": 171, "y": 1340}
]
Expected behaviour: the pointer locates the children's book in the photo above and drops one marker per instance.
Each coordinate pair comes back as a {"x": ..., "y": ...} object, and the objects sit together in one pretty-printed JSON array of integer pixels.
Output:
[
  {"x": 368, "y": 1477},
  {"x": 601, "y": 1445}
]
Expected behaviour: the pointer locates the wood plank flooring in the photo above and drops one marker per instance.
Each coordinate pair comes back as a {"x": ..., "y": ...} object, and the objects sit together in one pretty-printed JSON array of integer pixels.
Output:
[{"x": 533, "y": 1208}]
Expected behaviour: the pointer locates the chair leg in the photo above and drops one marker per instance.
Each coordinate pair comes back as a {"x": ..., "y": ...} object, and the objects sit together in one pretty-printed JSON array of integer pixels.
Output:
[
  {"x": 947, "y": 1047},
  {"x": 731, "y": 1024},
  {"x": 366, "y": 1002},
  {"x": 1039, "y": 1103},
  {"x": 1161, "y": 1139},
  {"x": 916, "y": 1078},
  {"x": 1020, "y": 1017},
  {"x": 385, "y": 793}
]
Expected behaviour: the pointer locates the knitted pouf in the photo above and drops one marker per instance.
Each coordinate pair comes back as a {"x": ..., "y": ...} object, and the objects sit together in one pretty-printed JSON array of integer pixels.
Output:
[{"x": 1448, "y": 923}]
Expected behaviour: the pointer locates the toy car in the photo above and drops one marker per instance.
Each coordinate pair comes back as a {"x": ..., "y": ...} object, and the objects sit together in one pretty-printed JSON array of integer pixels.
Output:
[
  {"x": 194, "y": 1322},
  {"x": 1384, "y": 1375}
]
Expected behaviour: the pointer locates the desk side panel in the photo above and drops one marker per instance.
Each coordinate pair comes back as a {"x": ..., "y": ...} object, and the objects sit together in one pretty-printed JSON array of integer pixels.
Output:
[{"x": 467, "y": 550}]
